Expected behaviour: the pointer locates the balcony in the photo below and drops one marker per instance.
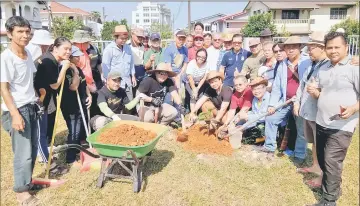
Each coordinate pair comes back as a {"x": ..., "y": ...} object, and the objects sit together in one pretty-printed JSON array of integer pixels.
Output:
[
  {"x": 35, "y": 24},
  {"x": 294, "y": 26}
]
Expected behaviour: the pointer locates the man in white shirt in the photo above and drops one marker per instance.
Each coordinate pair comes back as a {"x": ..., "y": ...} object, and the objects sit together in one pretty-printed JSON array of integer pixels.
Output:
[
  {"x": 137, "y": 50},
  {"x": 214, "y": 52},
  {"x": 19, "y": 117}
]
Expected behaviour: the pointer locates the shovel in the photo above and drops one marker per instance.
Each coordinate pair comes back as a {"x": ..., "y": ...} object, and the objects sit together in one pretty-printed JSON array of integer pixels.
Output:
[{"x": 235, "y": 140}]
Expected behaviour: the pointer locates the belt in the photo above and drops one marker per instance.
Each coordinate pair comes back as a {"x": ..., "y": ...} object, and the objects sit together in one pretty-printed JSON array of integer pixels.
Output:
[{"x": 138, "y": 65}]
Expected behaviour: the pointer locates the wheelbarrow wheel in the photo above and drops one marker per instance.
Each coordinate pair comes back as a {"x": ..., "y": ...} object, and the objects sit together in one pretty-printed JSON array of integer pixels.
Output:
[{"x": 138, "y": 180}]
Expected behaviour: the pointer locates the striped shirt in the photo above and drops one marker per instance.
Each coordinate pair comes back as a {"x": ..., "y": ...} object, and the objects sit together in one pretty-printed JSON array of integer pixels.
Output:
[{"x": 196, "y": 72}]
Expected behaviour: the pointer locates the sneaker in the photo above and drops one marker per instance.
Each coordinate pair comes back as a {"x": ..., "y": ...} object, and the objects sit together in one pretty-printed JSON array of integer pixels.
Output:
[{"x": 288, "y": 152}]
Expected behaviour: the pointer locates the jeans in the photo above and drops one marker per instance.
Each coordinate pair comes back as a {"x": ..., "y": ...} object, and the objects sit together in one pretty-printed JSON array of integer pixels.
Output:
[
  {"x": 76, "y": 130},
  {"x": 272, "y": 123},
  {"x": 43, "y": 140},
  {"x": 331, "y": 147},
  {"x": 24, "y": 146}
]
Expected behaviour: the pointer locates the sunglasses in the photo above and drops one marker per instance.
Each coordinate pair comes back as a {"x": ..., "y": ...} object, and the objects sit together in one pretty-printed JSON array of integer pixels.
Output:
[
  {"x": 278, "y": 51},
  {"x": 201, "y": 57}
]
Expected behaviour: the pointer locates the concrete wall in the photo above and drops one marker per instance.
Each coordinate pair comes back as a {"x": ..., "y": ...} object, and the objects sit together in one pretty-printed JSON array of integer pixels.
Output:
[
  {"x": 322, "y": 18},
  {"x": 257, "y": 6}
]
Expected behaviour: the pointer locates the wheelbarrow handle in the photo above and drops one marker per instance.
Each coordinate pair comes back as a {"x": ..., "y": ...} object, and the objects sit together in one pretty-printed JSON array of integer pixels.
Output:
[{"x": 74, "y": 146}]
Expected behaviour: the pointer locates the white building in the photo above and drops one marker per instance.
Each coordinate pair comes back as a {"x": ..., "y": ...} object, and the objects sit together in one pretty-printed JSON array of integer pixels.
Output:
[
  {"x": 148, "y": 13},
  {"x": 30, "y": 10},
  {"x": 208, "y": 22},
  {"x": 301, "y": 18}
]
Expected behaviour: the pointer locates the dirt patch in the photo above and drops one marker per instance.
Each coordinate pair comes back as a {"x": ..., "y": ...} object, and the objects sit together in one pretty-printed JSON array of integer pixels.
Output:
[
  {"x": 127, "y": 135},
  {"x": 200, "y": 142}
]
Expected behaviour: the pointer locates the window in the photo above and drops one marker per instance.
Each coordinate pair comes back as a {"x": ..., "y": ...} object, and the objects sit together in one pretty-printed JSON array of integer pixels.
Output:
[
  {"x": 146, "y": 15},
  {"x": 13, "y": 11},
  {"x": 153, "y": 8},
  {"x": 154, "y": 21},
  {"x": 338, "y": 13},
  {"x": 36, "y": 12},
  {"x": 137, "y": 21},
  {"x": 137, "y": 14},
  {"x": 146, "y": 21},
  {"x": 290, "y": 14},
  {"x": 20, "y": 11},
  {"x": 0, "y": 13},
  {"x": 146, "y": 9},
  {"x": 154, "y": 15},
  {"x": 207, "y": 28},
  {"x": 227, "y": 25}
]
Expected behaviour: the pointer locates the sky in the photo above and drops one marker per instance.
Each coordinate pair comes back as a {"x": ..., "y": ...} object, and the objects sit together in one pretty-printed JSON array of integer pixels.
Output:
[{"x": 119, "y": 10}]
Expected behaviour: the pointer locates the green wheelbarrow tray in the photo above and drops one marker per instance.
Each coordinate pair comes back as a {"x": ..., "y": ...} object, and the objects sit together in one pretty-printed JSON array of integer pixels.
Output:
[{"x": 120, "y": 151}]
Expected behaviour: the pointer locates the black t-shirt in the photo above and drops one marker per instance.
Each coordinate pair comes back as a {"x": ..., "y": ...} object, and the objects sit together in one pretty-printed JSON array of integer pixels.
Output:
[
  {"x": 223, "y": 96},
  {"x": 69, "y": 102},
  {"x": 114, "y": 100},
  {"x": 152, "y": 88},
  {"x": 47, "y": 73},
  {"x": 95, "y": 60}
]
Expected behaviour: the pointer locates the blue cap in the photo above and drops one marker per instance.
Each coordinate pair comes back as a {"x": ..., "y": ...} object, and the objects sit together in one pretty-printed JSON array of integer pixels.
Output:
[
  {"x": 154, "y": 36},
  {"x": 75, "y": 51}
]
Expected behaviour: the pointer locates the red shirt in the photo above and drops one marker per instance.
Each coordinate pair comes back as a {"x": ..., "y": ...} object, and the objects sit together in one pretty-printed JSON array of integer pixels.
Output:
[
  {"x": 292, "y": 83},
  {"x": 240, "y": 100},
  {"x": 192, "y": 53}
]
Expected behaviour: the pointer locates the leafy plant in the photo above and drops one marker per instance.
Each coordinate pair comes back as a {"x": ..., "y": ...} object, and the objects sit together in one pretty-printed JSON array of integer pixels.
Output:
[
  {"x": 284, "y": 32},
  {"x": 258, "y": 23},
  {"x": 164, "y": 30},
  {"x": 108, "y": 28},
  {"x": 65, "y": 27},
  {"x": 351, "y": 26}
]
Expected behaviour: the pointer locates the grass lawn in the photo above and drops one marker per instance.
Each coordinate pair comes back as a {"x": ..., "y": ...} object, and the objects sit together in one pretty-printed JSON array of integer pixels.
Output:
[{"x": 174, "y": 176}]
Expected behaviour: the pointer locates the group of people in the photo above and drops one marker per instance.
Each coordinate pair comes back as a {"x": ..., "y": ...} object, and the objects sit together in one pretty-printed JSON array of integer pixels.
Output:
[{"x": 219, "y": 77}]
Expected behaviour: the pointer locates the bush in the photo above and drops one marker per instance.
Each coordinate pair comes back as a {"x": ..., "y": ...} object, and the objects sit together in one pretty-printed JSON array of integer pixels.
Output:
[
  {"x": 258, "y": 23},
  {"x": 351, "y": 26},
  {"x": 65, "y": 27},
  {"x": 108, "y": 29}
]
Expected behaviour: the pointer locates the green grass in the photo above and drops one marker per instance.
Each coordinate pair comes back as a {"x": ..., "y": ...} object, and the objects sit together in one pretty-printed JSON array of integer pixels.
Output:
[{"x": 178, "y": 177}]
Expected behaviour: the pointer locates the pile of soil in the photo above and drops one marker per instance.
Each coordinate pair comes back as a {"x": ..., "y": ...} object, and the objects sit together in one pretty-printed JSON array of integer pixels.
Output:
[
  {"x": 200, "y": 142},
  {"x": 126, "y": 135}
]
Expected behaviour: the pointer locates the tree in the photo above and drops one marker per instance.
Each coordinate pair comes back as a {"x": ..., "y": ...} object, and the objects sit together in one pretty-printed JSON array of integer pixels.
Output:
[
  {"x": 96, "y": 16},
  {"x": 65, "y": 27},
  {"x": 257, "y": 23},
  {"x": 164, "y": 30},
  {"x": 351, "y": 26},
  {"x": 108, "y": 28}
]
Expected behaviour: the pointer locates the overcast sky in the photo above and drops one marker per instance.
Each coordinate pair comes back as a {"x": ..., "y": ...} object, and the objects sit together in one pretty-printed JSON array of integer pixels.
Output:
[{"x": 120, "y": 10}]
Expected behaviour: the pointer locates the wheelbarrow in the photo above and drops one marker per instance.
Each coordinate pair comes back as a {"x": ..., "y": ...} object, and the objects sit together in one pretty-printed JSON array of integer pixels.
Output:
[{"x": 131, "y": 158}]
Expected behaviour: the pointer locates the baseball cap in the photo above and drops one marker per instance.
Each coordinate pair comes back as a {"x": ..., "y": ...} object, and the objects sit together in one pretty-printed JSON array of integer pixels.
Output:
[
  {"x": 180, "y": 33},
  {"x": 197, "y": 36},
  {"x": 154, "y": 36},
  {"x": 114, "y": 75},
  {"x": 75, "y": 51}
]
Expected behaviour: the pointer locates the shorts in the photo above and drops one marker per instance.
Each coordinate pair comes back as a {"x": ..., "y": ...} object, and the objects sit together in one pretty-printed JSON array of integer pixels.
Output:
[{"x": 310, "y": 131}]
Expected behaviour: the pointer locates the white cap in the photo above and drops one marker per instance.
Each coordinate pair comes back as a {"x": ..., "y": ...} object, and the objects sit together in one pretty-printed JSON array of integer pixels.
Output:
[{"x": 341, "y": 30}]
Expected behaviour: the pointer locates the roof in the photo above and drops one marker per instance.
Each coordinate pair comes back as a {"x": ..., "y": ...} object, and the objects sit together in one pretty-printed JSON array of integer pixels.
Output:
[
  {"x": 60, "y": 8},
  {"x": 208, "y": 17},
  {"x": 300, "y": 4},
  {"x": 232, "y": 16}
]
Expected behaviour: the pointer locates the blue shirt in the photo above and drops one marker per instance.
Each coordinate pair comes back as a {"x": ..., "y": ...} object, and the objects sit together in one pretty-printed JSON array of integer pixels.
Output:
[
  {"x": 169, "y": 54},
  {"x": 232, "y": 61},
  {"x": 120, "y": 60},
  {"x": 257, "y": 110},
  {"x": 221, "y": 56}
]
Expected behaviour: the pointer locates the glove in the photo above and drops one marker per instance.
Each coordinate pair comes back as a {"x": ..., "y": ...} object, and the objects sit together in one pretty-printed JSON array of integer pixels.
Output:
[
  {"x": 214, "y": 124},
  {"x": 156, "y": 102},
  {"x": 194, "y": 93},
  {"x": 115, "y": 117}
]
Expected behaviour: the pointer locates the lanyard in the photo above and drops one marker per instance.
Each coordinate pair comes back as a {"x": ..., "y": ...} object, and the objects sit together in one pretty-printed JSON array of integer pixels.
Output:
[{"x": 314, "y": 64}]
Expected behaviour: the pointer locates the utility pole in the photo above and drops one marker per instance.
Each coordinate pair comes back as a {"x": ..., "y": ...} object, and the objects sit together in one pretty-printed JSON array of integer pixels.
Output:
[
  {"x": 189, "y": 16},
  {"x": 103, "y": 15},
  {"x": 173, "y": 23}
]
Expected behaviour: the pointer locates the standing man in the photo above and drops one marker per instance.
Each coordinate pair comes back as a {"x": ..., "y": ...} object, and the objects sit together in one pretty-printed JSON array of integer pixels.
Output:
[
  {"x": 118, "y": 56},
  {"x": 337, "y": 116},
  {"x": 266, "y": 35},
  {"x": 176, "y": 55},
  {"x": 214, "y": 51},
  {"x": 153, "y": 55},
  {"x": 233, "y": 61},
  {"x": 253, "y": 63},
  {"x": 284, "y": 88},
  {"x": 137, "y": 50},
  {"x": 225, "y": 48},
  {"x": 19, "y": 117}
]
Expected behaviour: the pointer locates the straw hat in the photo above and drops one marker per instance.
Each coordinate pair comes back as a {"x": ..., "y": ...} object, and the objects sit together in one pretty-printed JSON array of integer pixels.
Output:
[
  {"x": 266, "y": 32},
  {"x": 254, "y": 41},
  {"x": 228, "y": 37},
  {"x": 317, "y": 37},
  {"x": 293, "y": 40},
  {"x": 138, "y": 32},
  {"x": 162, "y": 67},
  {"x": 257, "y": 81},
  {"x": 120, "y": 30},
  {"x": 214, "y": 74},
  {"x": 81, "y": 36},
  {"x": 42, "y": 37}
]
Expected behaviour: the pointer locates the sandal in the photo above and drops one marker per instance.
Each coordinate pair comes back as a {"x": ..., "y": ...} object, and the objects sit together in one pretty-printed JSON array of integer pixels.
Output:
[
  {"x": 31, "y": 201},
  {"x": 313, "y": 184},
  {"x": 306, "y": 170}
]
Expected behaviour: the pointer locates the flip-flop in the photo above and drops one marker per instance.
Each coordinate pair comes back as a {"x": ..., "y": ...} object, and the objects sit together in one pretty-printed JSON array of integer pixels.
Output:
[
  {"x": 31, "y": 201},
  {"x": 306, "y": 170},
  {"x": 312, "y": 184}
]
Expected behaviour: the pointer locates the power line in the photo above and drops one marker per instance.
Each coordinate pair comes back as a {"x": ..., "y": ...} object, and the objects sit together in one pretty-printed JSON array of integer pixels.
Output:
[{"x": 178, "y": 12}]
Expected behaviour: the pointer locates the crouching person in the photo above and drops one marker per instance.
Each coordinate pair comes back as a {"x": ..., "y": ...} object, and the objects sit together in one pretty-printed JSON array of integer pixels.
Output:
[
  {"x": 111, "y": 100},
  {"x": 215, "y": 99},
  {"x": 153, "y": 91}
]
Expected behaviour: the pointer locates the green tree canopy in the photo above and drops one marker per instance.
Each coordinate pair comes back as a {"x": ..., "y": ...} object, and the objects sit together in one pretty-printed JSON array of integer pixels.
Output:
[
  {"x": 108, "y": 28},
  {"x": 164, "y": 30},
  {"x": 257, "y": 23},
  {"x": 351, "y": 26},
  {"x": 96, "y": 16},
  {"x": 65, "y": 27}
]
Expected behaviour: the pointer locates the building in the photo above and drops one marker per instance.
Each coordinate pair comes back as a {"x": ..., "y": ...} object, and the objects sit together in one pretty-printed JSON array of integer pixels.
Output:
[
  {"x": 147, "y": 13},
  {"x": 231, "y": 23},
  {"x": 208, "y": 22},
  {"x": 27, "y": 9},
  {"x": 300, "y": 18}
]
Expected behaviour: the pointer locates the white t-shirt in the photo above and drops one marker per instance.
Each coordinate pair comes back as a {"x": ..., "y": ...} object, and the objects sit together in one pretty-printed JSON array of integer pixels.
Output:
[
  {"x": 137, "y": 54},
  {"x": 195, "y": 71},
  {"x": 19, "y": 74},
  {"x": 212, "y": 58},
  {"x": 35, "y": 50}
]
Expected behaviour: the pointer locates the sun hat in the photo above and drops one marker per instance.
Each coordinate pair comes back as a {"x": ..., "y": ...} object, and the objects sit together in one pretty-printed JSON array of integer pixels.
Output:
[
  {"x": 114, "y": 75},
  {"x": 257, "y": 81},
  {"x": 75, "y": 51},
  {"x": 42, "y": 37},
  {"x": 138, "y": 32},
  {"x": 317, "y": 37},
  {"x": 162, "y": 67},
  {"x": 214, "y": 74},
  {"x": 81, "y": 36},
  {"x": 293, "y": 40},
  {"x": 266, "y": 32},
  {"x": 254, "y": 41},
  {"x": 120, "y": 30},
  {"x": 228, "y": 37}
]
